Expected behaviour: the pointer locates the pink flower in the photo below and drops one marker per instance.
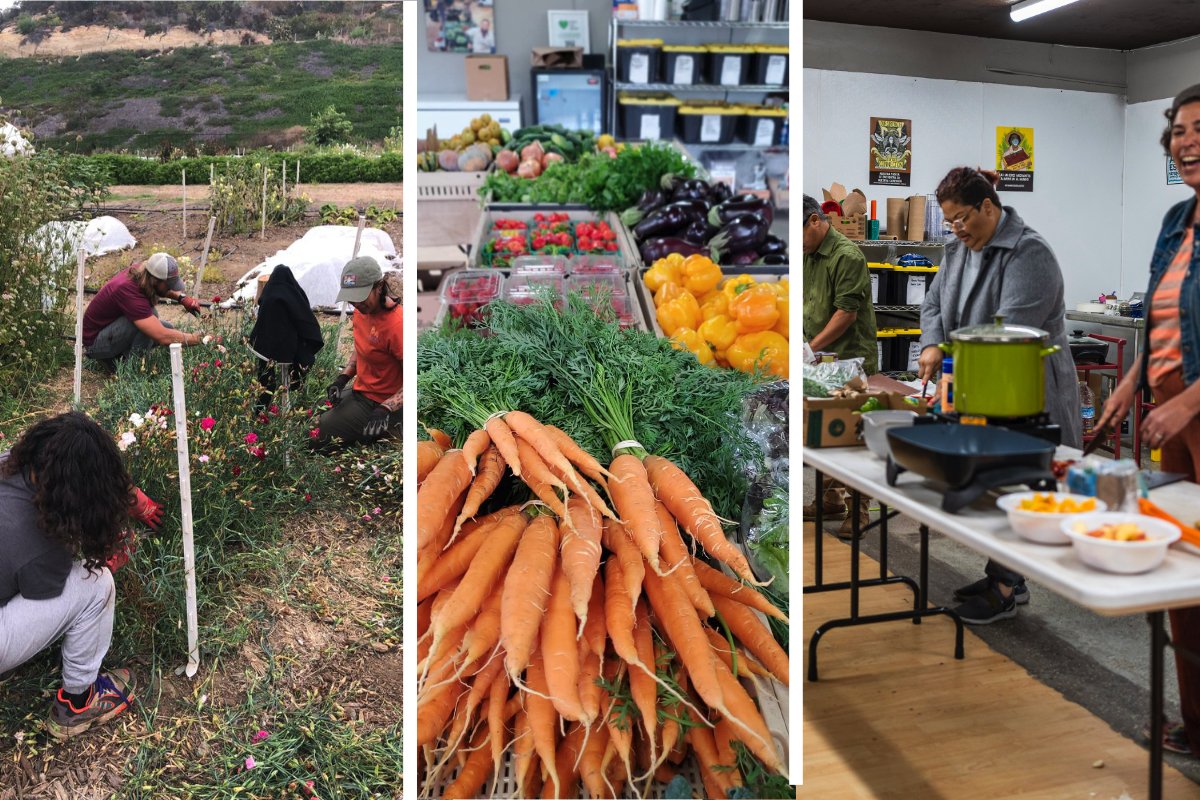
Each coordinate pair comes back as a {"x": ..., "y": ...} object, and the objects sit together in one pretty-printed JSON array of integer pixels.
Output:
[
  {"x": 274, "y": 409},
  {"x": 259, "y": 453},
  {"x": 203, "y": 459},
  {"x": 207, "y": 423},
  {"x": 260, "y": 736},
  {"x": 236, "y": 470},
  {"x": 336, "y": 470},
  {"x": 377, "y": 510},
  {"x": 263, "y": 419},
  {"x": 250, "y": 762},
  {"x": 314, "y": 433},
  {"x": 366, "y": 517},
  {"x": 307, "y": 497},
  {"x": 251, "y": 438},
  {"x": 217, "y": 362}
]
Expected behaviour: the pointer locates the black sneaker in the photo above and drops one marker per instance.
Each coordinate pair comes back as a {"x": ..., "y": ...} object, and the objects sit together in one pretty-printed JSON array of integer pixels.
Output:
[
  {"x": 988, "y": 607},
  {"x": 963, "y": 593}
]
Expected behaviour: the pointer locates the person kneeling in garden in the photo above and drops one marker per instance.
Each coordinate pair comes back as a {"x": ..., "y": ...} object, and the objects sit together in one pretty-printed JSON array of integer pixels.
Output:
[
  {"x": 367, "y": 411},
  {"x": 65, "y": 499},
  {"x": 122, "y": 319}
]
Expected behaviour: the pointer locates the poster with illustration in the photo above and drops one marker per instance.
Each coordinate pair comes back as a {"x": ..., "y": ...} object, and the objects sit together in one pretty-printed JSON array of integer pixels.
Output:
[
  {"x": 1014, "y": 158},
  {"x": 891, "y": 152},
  {"x": 460, "y": 26}
]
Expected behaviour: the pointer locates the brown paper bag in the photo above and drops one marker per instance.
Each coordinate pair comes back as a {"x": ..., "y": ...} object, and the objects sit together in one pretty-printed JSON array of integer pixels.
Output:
[
  {"x": 854, "y": 204},
  {"x": 916, "y": 218},
  {"x": 897, "y": 217}
]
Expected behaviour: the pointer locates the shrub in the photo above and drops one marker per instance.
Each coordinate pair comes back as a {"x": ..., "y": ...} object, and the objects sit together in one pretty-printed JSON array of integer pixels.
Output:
[
  {"x": 329, "y": 126},
  {"x": 27, "y": 25},
  {"x": 236, "y": 198}
]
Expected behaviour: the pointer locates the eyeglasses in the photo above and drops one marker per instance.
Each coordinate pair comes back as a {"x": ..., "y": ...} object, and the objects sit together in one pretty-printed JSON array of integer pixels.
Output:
[{"x": 960, "y": 221}]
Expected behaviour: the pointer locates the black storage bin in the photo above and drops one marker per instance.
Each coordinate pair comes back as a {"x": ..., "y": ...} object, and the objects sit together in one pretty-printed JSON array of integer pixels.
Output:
[
  {"x": 729, "y": 64},
  {"x": 684, "y": 64},
  {"x": 638, "y": 60},
  {"x": 884, "y": 340},
  {"x": 762, "y": 126},
  {"x": 911, "y": 285},
  {"x": 771, "y": 64},
  {"x": 906, "y": 349},
  {"x": 708, "y": 122},
  {"x": 647, "y": 117},
  {"x": 881, "y": 283}
]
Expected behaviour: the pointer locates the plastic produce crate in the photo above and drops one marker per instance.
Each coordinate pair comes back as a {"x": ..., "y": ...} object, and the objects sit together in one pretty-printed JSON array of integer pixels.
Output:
[
  {"x": 762, "y": 274},
  {"x": 638, "y": 60},
  {"x": 527, "y": 214}
]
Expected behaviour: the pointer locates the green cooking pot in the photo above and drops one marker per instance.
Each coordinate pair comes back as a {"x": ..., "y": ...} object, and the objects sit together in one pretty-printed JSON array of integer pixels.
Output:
[{"x": 999, "y": 370}]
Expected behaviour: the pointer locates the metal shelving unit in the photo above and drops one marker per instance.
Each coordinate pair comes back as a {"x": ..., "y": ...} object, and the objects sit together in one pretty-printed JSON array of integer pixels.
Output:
[
  {"x": 903, "y": 312},
  {"x": 686, "y": 23},
  {"x": 701, "y": 87}
]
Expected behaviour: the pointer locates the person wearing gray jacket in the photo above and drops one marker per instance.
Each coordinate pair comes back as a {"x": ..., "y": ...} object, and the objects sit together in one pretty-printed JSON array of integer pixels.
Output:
[{"x": 997, "y": 265}]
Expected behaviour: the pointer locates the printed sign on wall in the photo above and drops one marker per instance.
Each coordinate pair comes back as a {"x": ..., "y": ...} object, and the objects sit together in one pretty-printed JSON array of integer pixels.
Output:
[
  {"x": 890, "y": 152},
  {"x": 460, "y": 27},
  {"x": 1014, "y": 158},
  {"x": 1172, "y": 172}
]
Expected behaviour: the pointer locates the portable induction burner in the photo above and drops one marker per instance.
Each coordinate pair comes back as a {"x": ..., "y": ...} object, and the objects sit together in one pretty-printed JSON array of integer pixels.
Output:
[
  {"x": 971, "y": 459},
  {"x": 1038, "y": 425}
]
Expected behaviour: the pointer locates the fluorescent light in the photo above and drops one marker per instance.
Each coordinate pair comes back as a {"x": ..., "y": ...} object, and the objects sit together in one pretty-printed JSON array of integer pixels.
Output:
[{"x": 1031, "y": 8}]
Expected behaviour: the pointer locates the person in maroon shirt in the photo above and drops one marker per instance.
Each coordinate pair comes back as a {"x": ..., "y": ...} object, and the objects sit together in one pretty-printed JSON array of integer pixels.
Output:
[{"x": 122, "y": 319}]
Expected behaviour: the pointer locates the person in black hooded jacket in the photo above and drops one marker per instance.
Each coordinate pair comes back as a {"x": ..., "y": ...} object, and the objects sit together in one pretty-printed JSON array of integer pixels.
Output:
[{"x": 286, "y": 332}]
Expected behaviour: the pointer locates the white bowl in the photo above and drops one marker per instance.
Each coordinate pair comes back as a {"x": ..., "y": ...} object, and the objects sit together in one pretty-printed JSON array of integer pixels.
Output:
[
  {"x": 1127, "y": 558},
  {"x": 1041, "y": 526},
  {"x": 875, "y": 425}
]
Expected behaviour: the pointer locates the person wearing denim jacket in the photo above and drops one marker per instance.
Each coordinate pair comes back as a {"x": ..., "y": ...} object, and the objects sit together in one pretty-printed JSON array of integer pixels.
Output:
[{"x": 1170, "y": 367}]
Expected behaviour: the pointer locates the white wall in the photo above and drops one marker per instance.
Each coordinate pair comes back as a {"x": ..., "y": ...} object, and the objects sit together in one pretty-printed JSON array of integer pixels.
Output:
[
  {"x": 1078, "y": 141},
  {"x": 1147, "y": 195}
]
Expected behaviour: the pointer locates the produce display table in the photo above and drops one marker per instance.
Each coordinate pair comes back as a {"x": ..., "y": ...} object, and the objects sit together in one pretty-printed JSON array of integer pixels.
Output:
[{"x": 1175, "y": 584}]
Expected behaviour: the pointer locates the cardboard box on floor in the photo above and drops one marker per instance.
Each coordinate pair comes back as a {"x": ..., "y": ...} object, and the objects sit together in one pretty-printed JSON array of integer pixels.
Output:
[
  {"x": 831, "y": 421},
  {"x": 487, "y": 77}
]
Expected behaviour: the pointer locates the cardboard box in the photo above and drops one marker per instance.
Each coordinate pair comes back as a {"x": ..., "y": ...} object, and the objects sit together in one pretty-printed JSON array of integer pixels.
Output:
[
  {"x": 851, "y": 227},
  {"x": 487, "y": 77},
  {"x": 916, "y": 218},
  {"x": 560, "y": 57},
  {"x": 831, "y": 421}
]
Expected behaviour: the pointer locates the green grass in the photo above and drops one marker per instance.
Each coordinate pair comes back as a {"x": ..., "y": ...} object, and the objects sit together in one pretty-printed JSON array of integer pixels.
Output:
[{"x": 190, "y": 81}]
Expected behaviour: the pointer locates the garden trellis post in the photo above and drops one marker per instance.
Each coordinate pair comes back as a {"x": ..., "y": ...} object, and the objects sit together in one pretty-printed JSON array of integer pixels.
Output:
[
  {"x": 82, "y": 259},
  {"x": 212, "y": 224},
  {"x": 264, "y": 208},
  {"x": 183, "y": 173},
  {"x": 185, "y": 500}
]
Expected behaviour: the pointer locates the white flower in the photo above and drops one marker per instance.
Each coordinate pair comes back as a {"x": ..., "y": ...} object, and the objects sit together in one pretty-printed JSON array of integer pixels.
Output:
[
  {"x": 203, "y": 459},
  {"x": 127, "y": 438},
  {"x": 137, "y": 419}
]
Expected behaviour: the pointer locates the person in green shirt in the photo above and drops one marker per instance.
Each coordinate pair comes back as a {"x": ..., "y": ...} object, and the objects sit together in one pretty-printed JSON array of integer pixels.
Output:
[
  {"x": 838, "y": 314},
  {"x": 839, "y": 318}
]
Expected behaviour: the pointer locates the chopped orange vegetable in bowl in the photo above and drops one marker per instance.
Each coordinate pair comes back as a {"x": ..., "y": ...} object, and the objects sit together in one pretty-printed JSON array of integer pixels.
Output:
[
  {"x": 1035, "y": 516},
  {"x": 1119, "y": 542}
]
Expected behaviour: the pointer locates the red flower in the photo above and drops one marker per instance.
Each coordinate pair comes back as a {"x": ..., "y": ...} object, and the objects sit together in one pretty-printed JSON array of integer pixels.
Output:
[
  {"x": 251, "y": 438},
  {"x": 216, "y": 298},
  {"x": 236, "y": 470},
  {"x": 207, "y": 423},
  {"x": 274, "y": 409},
  {"x": 258, "y": 453},
  {"x": 307, "y": 497},
  {"x": 314, "y": 433},
  {"x": 216, "y": 362},
  {"x": 264, "y": 419}
]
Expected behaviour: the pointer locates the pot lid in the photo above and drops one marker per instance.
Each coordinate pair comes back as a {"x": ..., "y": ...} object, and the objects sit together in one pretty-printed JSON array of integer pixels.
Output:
[{"x": 999, "y": 332}]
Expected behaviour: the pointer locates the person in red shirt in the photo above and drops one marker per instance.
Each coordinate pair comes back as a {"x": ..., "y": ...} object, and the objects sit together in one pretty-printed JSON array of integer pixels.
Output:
[
  {"x": 366, "y": 412},
  {"x": 122, "y": 319}
]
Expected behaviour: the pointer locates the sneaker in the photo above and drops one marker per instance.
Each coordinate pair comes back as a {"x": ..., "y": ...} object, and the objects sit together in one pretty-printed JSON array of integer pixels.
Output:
[
  {"x": 1175, "y": 738},
  {"x": 111, "y": 694},
  {"x": 1020, "y": 591},
  {"x": 988, "y": 607}
]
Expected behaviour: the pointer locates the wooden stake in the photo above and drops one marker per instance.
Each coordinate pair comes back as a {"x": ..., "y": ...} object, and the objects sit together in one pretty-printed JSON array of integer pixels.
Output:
[
  {"x": 362, "y": 221},
  {"x": 185, "y": 499},
  {"x": 82, "y": 259},
  {"x": 297, "y": 173},
  {"x": 264, "y": 208},
  {"x": 212, "y": 224},
  {"x": 184, "y": 174},
  {"x": 212, "y": 175},
  {"x": 283, "y": 173}
]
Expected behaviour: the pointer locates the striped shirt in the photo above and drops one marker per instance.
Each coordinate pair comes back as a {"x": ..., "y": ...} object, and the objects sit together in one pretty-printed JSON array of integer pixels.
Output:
[{"x": 1166, "y": 346}]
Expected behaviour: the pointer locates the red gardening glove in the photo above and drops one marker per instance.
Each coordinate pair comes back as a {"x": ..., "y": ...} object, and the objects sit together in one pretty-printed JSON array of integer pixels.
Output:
[
  {"x": 125, "y": 547},
  {"x": 145, "y": 510},
  {"x": 191, "y": 305}
]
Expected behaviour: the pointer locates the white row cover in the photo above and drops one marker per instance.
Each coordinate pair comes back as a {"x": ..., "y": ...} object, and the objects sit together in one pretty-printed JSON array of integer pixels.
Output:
[
  {"x": 12, "y": 142},
  {"x": 317, "y": 258}
]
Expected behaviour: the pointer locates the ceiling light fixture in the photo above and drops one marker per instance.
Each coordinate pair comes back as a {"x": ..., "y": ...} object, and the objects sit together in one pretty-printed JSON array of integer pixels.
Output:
[{"x": 1031, "y": 8}]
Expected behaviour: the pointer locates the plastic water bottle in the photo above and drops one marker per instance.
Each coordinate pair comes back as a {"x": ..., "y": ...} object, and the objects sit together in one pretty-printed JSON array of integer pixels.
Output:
[{"x": 1087, "y": 407}]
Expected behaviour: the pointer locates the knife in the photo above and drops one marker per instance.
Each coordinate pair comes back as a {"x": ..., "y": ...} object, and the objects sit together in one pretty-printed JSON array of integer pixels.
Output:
[{"x": 1101, "y": 434}]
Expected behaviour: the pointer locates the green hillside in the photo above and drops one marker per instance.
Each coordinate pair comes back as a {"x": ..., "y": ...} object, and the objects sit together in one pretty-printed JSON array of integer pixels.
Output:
[{"x": 207, "y": 98}]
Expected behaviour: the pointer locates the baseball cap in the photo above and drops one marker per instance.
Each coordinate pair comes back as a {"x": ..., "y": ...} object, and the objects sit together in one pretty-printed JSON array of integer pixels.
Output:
[
  {"x": 164, "y": 267},
  {"x": 359, "y": 276}
]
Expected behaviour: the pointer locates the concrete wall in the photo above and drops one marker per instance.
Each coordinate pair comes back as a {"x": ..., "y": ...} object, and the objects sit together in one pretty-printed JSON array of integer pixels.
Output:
[
  {"x": 520, "y": 26},
  {"x": 1078, "y": 140},
  {"x": 1163, "y": 70}
]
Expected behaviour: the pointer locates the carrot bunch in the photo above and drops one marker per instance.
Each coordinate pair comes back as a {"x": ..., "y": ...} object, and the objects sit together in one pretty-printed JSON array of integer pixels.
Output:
[{"x": 592, "y": 644}]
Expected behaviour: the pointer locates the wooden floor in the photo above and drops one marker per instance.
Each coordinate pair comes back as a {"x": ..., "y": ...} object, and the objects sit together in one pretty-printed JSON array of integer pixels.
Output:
[{"x": 895, "y": 716}]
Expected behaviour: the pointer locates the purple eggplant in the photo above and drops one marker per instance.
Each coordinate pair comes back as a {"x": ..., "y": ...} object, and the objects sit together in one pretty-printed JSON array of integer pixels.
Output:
[
  {"x": 691, "y": 190},
  {"x": 745, "y": 258},
  {"x": 719, "y": 192},
  {"x": 655, "y": 249},
  {"x": 743, "y": 232},
  {"x": 671, "y": 218},
  {"x": 650, "y": 200},
  {"x": 670, "y": 182},
  {"x": 742, "y": 204},
  {"x": 773, "y": 259},
  {"x": 699, "y": 232},
  {"x": 772, "y": 245}
]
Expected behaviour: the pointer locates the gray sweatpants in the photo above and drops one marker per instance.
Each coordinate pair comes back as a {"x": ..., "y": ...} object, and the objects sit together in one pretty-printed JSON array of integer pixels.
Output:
[
  {"x": 120, "y": 338},
  {"x": 82, "y": 614}
]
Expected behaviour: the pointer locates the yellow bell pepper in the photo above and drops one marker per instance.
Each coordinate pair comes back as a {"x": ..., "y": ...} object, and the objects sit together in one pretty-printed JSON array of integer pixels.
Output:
[
  {"x": 665, "y": 270},
  {"x": 781, "y": 326},
  {"x": 719, "y": 331},
  {"x": 700, "y": 274},
  {"x": 682, "y": 312},
  {"x": 765, "y": 349},
  {"x": 714, "y": 304},
  {"x": 668, "y": 291},
  {"x": 755, "y": 309},
  {"x": 691, "y": 340},
  {"x": 735, "y": 286}
]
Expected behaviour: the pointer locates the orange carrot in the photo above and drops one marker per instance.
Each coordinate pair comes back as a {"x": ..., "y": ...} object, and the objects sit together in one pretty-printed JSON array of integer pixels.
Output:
[
  {"x": 581, "y": 458},
  {"x": 702, "y": 742},
  {"x": 453, "y": 563},
  {"x": 435, "y": 711},
  {"x": 665, "y": 773},
  {"x": 484, "y": 631},
  {"x": 477, "y": 442},
  {"x": 502, "y": 437},
  {"x": 488, "y": 565},
  {"x": 523, "y": 754},
  {"x": 677, "y": 617},
  {"x": 438, "y": 494},
  {"x": 595, "y": 630},
  {"x": 526, "y": 590},
  {"x": 634, "y": 501},
  {"x": 433, "y": 548},
  {"x": 620, "y": 732},
  {"x": 542, "y": 718},
  {"x": 566, "y": 763},
  {"x": 642, "y": 687},
  {"x": 590, "y": 666},
  {"x": 442, "y": 438},
  {"x": 487, "y": 478},
  {"x": 480, "y": 685},
  {"x": 754, "y": 635},
  {"x": 744, "y": 663},
  {"x": 560, "y": 651},
  {"x": 528, "y": 429},
  {"x": 1190, "y": 534},
  {"x": 747, "y": 720},
  {"x": 424, "y": 610},
  {"x": 633, "y": 568},
  {"x": 428, "y": 455},
  {"x": 618, "y": 613},
  {"x": 724, "y": 736},
  {"x": 581, "y": 554},
  {"x": 679, "y": 561},
  {"x": 585, "y": 490},
  {"x": 545, "y": 492},
  {"x": 717, "y": 582},
  {"x": 677, "y": 492},
  {"x": 589, "y": 763},
  {"x": 497, "y": 729},
  {"x": 473, "y": 775}
]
